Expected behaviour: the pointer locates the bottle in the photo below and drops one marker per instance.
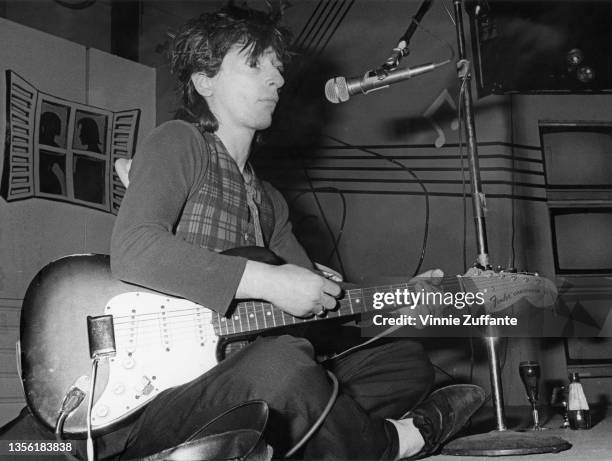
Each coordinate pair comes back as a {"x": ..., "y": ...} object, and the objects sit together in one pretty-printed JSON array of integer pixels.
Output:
[{"x": 577, "y": 407}]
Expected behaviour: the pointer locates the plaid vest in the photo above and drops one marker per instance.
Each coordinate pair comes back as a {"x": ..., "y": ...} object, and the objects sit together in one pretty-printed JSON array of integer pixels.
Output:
[{"x": 216, "y": 215}]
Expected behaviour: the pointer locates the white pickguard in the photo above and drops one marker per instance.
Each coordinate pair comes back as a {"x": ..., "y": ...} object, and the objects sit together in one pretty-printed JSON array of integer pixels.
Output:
[{"x": 161, "y": 342}]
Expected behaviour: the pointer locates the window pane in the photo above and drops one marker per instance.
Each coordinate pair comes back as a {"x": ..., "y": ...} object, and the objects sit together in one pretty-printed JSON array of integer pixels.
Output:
[
  {"x": 90, "y": 132},
  {"x": 52, "y": 172},
  {"x": 52, "y": 125},
  {"x": 89, "y": 179}
]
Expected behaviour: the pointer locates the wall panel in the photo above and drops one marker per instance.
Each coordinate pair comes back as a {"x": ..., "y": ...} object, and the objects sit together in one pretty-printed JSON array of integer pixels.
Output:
[{"x": 36, "y": 231}]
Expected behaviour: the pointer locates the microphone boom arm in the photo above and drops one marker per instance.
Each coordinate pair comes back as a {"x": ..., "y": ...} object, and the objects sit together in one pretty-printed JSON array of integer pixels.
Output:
[{"x": 401, "y": 49}]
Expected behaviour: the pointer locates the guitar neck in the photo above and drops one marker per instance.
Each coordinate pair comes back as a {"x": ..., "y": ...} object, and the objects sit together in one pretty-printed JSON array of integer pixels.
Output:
[{"x": 256, "y": 316}]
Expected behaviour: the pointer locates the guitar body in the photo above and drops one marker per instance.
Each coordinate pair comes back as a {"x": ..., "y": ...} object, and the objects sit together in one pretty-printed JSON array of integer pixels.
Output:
[{"x": 161, "y": 342}]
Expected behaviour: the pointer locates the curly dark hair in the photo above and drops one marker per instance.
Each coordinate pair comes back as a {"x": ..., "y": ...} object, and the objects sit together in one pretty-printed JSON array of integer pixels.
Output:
[{"x": 202, "y": 43}]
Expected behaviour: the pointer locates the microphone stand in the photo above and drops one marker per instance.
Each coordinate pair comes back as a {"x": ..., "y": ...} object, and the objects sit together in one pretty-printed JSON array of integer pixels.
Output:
[{"x": 500, "y": 442}]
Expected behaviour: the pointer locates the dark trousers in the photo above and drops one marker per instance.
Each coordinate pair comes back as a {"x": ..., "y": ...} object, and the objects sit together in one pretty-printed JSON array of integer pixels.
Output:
[{"x": 378, "y": 381}]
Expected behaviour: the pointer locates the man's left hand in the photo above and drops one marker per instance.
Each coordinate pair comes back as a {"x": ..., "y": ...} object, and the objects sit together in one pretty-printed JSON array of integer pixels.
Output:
[{"x": 428, "y": 282}]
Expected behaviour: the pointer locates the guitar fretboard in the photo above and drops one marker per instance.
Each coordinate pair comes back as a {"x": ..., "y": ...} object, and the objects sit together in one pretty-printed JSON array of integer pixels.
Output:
[{"x": 255, "y": 316}]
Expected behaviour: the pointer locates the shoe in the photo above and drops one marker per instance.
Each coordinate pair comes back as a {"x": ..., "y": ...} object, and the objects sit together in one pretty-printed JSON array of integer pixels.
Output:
[{"x": 444, "y": 413}]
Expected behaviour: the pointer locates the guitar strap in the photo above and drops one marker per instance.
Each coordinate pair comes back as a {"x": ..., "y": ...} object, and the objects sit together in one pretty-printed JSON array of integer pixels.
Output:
[{"x": 253, "y": 197}]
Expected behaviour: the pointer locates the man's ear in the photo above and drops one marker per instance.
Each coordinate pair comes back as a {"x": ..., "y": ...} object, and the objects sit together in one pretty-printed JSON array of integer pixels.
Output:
[{"x": 202, "y": 83}]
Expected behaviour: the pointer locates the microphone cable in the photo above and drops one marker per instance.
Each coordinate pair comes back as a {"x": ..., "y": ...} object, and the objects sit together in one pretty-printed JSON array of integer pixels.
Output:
[
  {"x": 314, "y": 190},
  {"x": 335, "y": 238},
  {"x": 402, "y": 166},
  {"x": 320, "y": 419},
  {"x": 418, "y": 180}
]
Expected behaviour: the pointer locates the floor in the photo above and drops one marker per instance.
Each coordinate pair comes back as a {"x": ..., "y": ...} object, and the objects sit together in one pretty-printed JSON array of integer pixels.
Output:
[{"x": 587, "y": 445}]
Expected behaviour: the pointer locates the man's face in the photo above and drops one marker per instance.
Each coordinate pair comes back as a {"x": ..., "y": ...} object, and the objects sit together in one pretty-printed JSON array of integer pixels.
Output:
[{"x": 244, "y": 95}]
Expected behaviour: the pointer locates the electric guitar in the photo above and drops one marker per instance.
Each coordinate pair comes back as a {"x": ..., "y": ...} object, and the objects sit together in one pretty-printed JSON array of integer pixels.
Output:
[{"x": 164, "y": 341}]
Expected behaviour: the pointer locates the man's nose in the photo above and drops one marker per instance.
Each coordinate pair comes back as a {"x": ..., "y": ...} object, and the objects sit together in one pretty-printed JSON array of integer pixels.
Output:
[{"x": 275, "y": 77}]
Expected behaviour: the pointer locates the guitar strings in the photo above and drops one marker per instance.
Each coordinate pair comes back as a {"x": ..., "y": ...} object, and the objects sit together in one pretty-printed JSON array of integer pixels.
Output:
[
  {"x": 242, "y": 308},
  {"x": 258, "y": 319},
  {"x": 242, "y": 315},
  {"x": 176, "y": 322},
  {"x": 351, "y": 293}
]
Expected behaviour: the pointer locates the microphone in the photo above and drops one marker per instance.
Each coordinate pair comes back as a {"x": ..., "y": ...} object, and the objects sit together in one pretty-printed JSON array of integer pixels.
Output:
[{"x": 340, "y": 89}]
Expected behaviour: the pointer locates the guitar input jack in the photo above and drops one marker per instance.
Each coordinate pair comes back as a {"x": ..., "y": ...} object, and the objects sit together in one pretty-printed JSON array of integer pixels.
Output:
[{"x": 73, "y": 398}]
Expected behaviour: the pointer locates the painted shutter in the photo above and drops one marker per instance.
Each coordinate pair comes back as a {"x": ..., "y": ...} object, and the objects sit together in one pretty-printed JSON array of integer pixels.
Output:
[
  {"x": 123, "y": 142},
  {"x": 18, "y": 171}
]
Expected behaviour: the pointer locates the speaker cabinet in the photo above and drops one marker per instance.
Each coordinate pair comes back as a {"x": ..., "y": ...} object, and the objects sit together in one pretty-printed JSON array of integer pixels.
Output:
[{"x": 542, "y": 46}]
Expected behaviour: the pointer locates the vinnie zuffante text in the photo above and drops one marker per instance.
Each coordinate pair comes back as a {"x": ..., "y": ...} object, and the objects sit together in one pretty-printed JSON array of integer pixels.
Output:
[{"x": 432, "y": 302}]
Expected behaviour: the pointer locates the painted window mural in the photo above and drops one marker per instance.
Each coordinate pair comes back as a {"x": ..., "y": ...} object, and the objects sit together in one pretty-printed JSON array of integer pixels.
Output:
[{"x": 63, "y": 150}]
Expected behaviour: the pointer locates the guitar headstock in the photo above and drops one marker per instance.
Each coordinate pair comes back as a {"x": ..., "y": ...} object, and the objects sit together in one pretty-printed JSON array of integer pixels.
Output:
[{"x": 502, "y": 290}]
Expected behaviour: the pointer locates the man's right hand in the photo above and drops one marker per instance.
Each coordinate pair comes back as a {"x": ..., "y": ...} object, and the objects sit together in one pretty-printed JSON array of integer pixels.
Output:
[{"x": 294, "y": 289}]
